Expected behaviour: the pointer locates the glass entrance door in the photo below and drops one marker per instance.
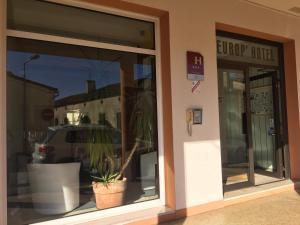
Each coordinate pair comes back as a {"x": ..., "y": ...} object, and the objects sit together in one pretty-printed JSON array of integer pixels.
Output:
[
  {"x": 233, "y": 125},
  {"x": 265, "y": 126},
  {"x": 250, "y": 123},
  {"x": 252, "y": 108}
]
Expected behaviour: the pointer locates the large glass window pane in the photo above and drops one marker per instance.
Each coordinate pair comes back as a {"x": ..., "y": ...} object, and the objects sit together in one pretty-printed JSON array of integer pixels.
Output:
[
  {"x": 76, "y": 115},
  {"x": 233, "y": 125},
  {"x": 49, "y": 18}
]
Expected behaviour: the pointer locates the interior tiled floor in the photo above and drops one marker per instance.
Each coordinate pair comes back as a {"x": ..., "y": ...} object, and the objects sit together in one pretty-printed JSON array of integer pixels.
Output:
[
  {"x": 246, "y": 188},
  {"x": 237, "y": 177},
  {"x": 279, "y": 209},
  {"x": 235, "y": 181},
  {"x": 21, "y": 209},
  {"x": 234, "y": 175}
]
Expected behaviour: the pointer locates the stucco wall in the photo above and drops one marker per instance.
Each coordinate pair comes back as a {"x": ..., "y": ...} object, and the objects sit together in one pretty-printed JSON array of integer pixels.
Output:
[{"x": 198, "y": 176}]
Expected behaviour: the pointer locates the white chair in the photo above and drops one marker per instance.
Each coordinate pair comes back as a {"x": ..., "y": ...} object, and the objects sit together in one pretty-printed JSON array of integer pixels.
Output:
[{"x": 54, "y": 187}]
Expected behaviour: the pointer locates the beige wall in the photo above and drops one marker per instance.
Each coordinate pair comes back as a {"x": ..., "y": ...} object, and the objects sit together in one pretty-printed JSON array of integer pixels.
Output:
[{"x": 192, "y": 27}]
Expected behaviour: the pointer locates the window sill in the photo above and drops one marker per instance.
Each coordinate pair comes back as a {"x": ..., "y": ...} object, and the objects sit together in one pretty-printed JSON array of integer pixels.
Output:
[{"x": 131, "y": 217}]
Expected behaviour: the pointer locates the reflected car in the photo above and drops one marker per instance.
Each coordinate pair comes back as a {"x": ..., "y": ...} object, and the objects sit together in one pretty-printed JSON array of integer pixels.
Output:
[{"x": 69, "y": 143}]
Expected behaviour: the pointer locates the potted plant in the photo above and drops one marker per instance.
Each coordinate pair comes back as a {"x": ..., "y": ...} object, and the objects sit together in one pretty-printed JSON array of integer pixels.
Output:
[
  {"x": 109, "y": 184},
  {"x": 108, "y": 190}
]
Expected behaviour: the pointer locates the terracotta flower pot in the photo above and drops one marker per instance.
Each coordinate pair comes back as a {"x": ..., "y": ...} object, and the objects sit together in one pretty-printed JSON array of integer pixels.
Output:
[{"x": 111, "y": 195}]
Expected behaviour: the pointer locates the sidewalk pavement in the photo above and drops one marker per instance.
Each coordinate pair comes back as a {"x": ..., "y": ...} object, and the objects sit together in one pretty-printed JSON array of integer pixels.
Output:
[{"x": 279, "y": 209}]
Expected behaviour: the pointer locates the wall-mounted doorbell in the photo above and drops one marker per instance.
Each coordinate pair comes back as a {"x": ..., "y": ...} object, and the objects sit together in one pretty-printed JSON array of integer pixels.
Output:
[{"x": 193, "y": 117}]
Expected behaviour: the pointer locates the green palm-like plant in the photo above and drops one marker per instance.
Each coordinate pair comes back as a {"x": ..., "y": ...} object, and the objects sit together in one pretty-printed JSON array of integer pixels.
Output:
[
  {"x": 142, "y": 122},
  {"x": 101, "y": 152},
  {"x": 101, "y": 147}
]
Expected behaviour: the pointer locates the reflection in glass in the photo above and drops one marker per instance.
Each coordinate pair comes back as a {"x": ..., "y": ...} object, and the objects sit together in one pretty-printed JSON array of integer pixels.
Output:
[
  {"x": 66, "y": 21},
  {"x": 66, "y": 106},
  {"x": 233, "y": 125},
  {"x": 266, "y": 121}
]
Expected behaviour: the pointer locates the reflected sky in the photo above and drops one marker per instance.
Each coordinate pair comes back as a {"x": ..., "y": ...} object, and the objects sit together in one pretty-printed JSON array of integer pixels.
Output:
[{"x": 69, "y": 74}]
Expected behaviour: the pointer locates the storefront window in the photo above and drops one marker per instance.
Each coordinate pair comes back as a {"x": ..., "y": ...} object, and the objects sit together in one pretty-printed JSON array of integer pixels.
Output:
[
  {"x": 78, "y": 115},
  {"x": 48, "y": 18}
]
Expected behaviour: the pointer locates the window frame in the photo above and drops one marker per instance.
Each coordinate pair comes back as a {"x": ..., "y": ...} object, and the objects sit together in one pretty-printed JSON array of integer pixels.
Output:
[
  {"x": 3, "y": 132},
  {"x": 96, "y": 215}
]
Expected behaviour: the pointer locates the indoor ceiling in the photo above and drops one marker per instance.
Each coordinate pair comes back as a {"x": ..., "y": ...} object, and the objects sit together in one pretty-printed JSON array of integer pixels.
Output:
[{"x": 291, "y": 7}]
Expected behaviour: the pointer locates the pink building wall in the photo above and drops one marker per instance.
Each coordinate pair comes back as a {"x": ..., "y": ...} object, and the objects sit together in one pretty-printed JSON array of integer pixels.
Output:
[{"x": 198, "y": 174}]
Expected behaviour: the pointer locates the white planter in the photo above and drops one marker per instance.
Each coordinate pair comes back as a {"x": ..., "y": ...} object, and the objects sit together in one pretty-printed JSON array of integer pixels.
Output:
[
  {"x": 148, "y": 163},
  {"x": 54, "y": 187}
]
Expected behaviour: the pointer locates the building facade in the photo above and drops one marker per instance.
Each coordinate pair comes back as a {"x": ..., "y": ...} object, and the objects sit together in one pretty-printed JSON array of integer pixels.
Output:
[{"x": 232, "y": 124}]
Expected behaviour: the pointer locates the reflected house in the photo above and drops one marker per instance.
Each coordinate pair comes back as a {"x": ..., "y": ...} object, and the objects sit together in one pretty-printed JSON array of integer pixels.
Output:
[
  {"x": 38, "y": 99},
  {"x": 41, "y": 98},
  {"x": 101, "y": 106}
]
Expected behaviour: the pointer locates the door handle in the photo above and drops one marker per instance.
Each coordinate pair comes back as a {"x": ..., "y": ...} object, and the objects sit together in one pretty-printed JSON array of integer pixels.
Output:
[
  {"x": 271, "y": 131},
  {"x": 244, "y": 123}
]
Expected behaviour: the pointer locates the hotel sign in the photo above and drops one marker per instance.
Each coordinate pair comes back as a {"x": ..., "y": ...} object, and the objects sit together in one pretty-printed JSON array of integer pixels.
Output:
[
  {"x": 195, "y": 66},
  {"x": 244, "y": 51}
]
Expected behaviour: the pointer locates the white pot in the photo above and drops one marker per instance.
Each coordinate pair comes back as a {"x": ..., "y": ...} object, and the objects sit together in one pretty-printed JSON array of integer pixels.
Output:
[
  {"x": 54, "y": 187},
  {"x": 148, "y": 182}
]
